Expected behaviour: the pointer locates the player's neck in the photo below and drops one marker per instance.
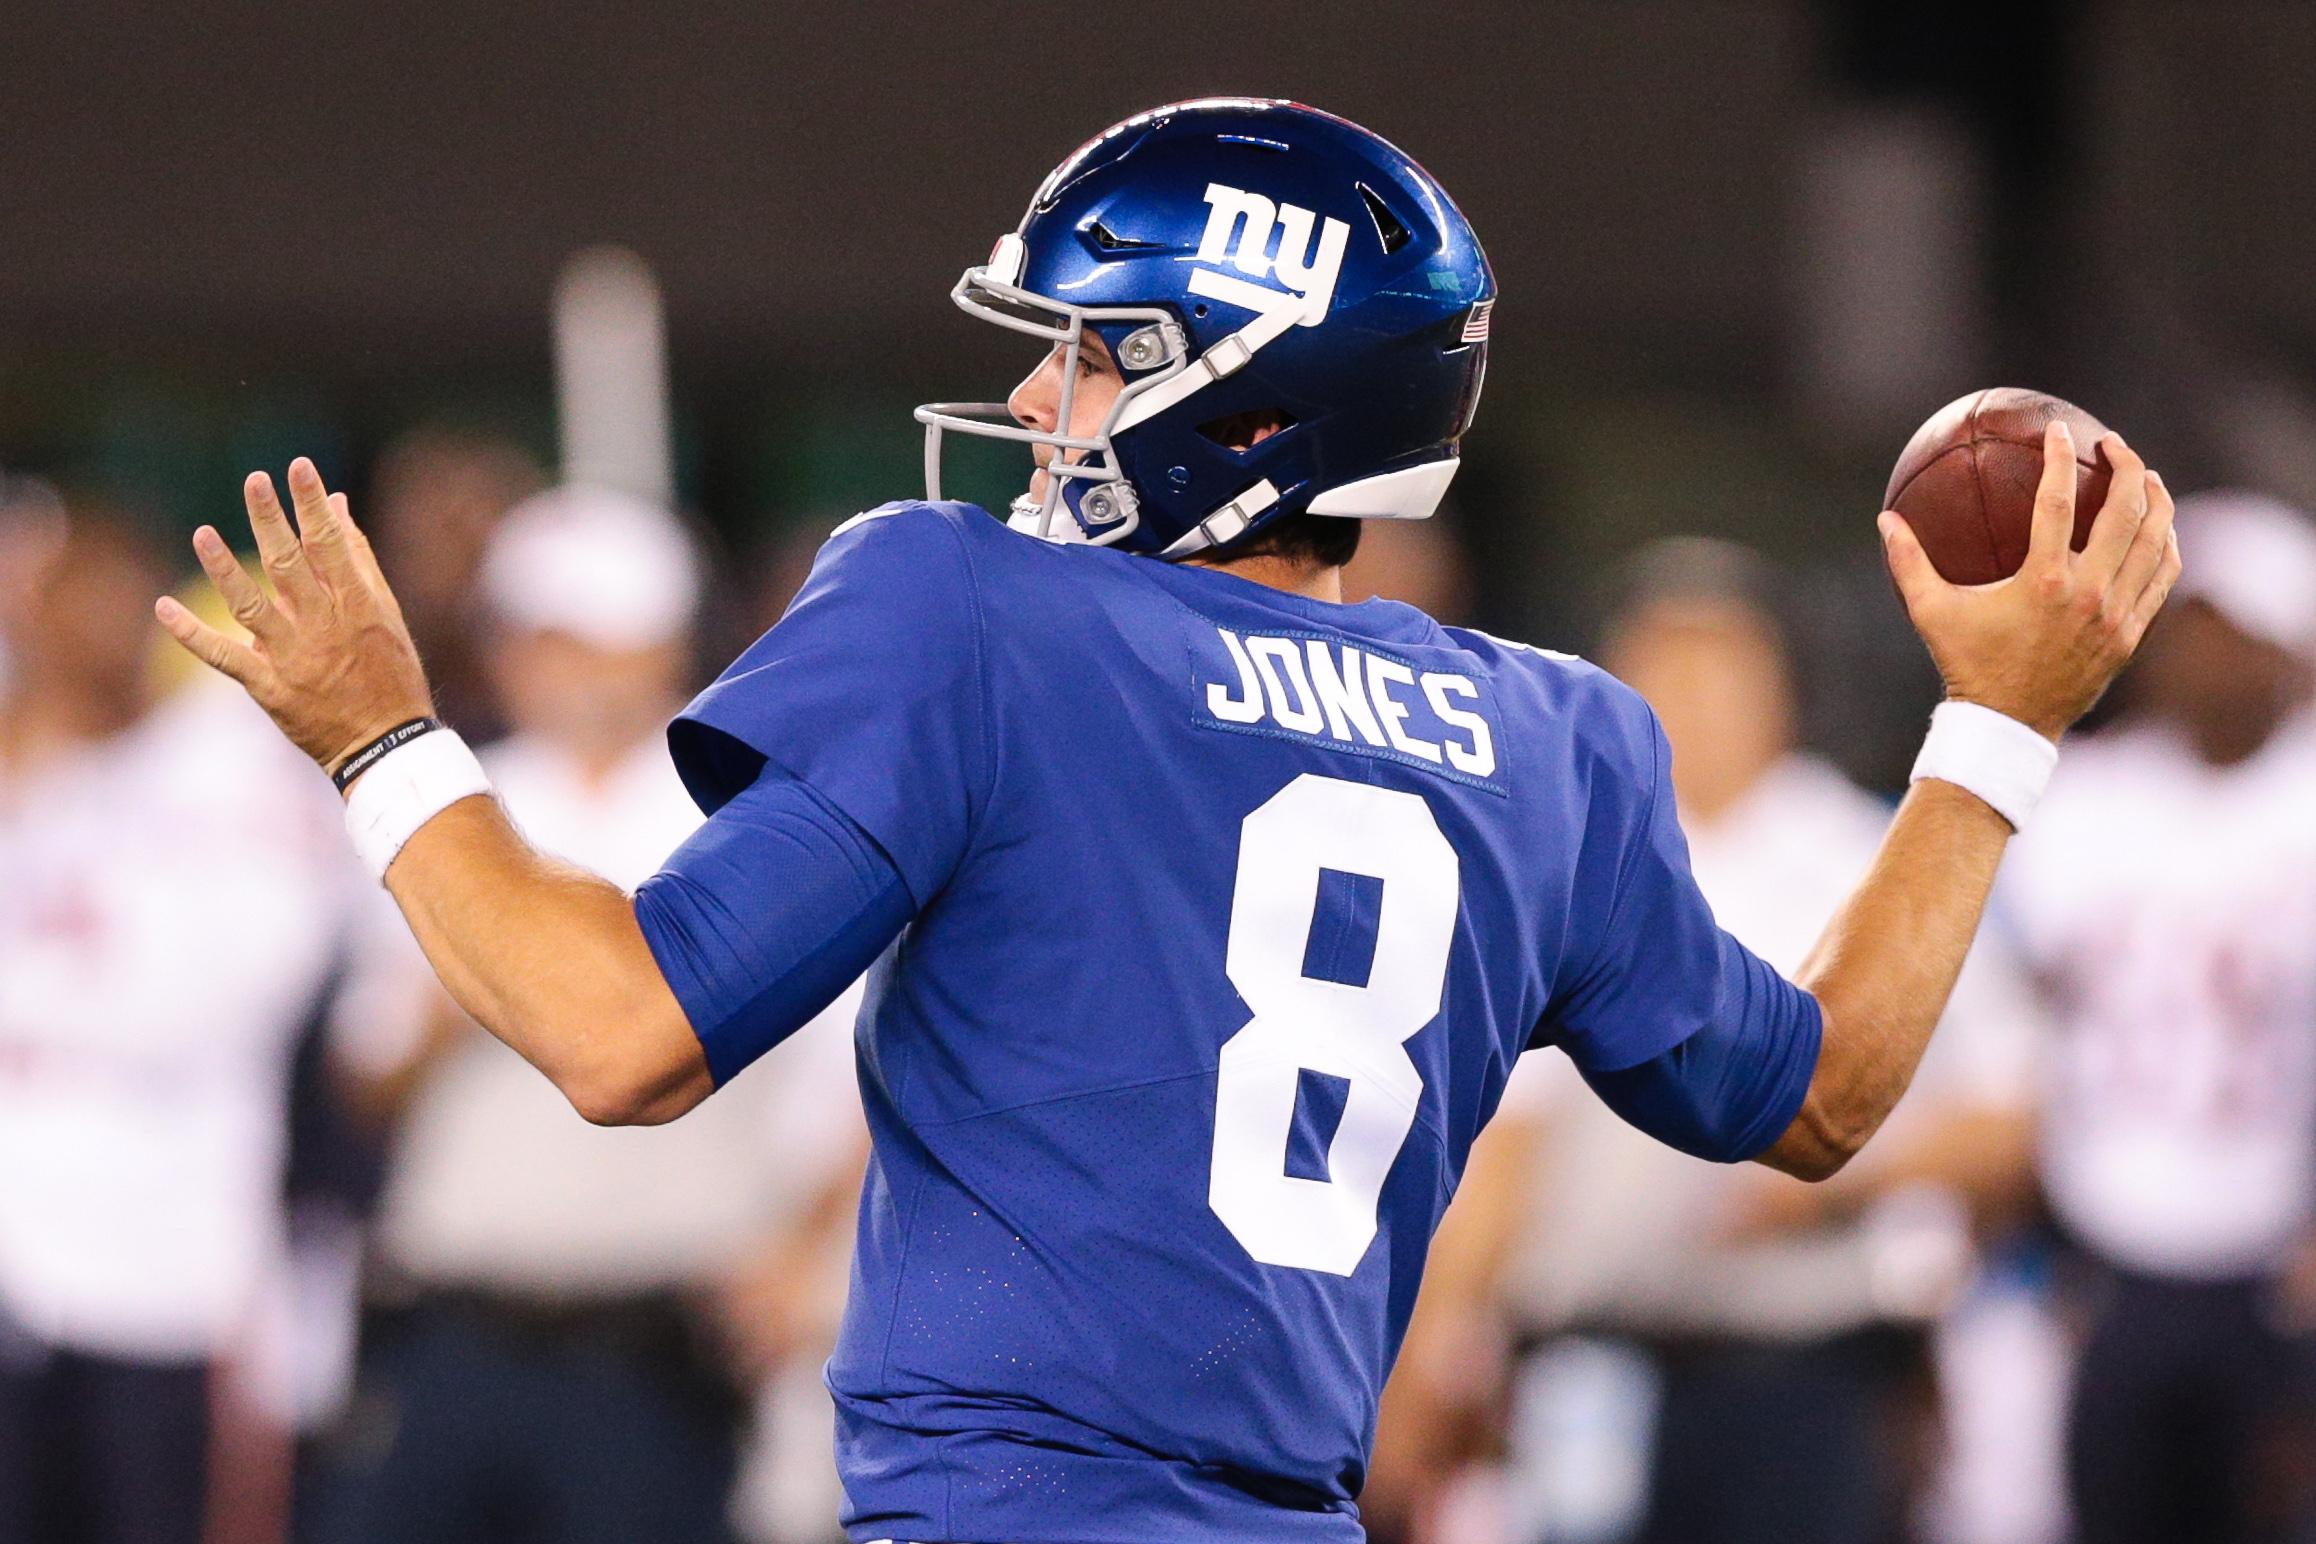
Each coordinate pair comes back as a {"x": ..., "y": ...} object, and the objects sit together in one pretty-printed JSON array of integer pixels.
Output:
[
  {"x": 2227, "y": 740},
  {"x": 600, "y": 756},
  {"x": 38, "y": 724},
  {"x": 1708, "y": 792},
  {"x": 1296, "y": 576}
]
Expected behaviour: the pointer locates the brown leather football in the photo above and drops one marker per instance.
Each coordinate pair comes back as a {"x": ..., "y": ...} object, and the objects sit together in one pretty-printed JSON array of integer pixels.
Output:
[{"x": 1966, "y": 480}]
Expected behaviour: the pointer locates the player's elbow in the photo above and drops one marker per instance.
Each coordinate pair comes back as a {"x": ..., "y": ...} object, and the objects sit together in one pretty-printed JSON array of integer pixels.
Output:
[
  {"x": 1810, "y": 1153},
  {"x": 1854, "y": 1085},
  {"x": 632, "y": 1096},
  {"x": 1824, "y": 1136},
  {"x": 635, "y": 1074},
  {"x": 608, "y": 1101}
]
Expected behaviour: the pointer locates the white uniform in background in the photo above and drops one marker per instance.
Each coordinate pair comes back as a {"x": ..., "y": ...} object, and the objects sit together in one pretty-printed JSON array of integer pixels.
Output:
[
  {"x": 497, "y": 1183},
  {"x": 1629, "y": 1232},
  {"x": 497, "y": 1187},
  {"x": 2170, "y": 906},
  {"x": 171, "y": 907}
]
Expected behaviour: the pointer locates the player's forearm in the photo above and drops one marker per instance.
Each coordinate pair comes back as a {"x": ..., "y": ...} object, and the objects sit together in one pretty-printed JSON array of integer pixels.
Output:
[
  {"x": 550, "y": 960},
  {"x": 1883, "y": 969}
]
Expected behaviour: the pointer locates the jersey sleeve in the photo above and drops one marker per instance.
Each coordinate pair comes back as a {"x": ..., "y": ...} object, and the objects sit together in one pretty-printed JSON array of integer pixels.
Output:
[
  {"x": 1646, "y": 967},
  {"x": 765, "y": 915},
  {"x": 1731, "y": 1089},
  {"x": 869, "y": 691}
]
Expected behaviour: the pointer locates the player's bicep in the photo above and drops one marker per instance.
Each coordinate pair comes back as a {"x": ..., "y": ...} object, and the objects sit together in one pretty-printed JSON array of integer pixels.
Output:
[
  {"x": 869, "y": 689},
  {"x": 1678, "y": 1027},
  {"x": 769, "y": 911},
  {"x": 1730, "y": 1089},
  {"x": 1644, "y": 967}
]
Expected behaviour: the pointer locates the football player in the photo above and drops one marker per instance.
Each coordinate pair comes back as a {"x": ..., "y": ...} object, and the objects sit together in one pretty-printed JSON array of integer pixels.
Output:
[
  {"x": 2179, "y": 1119},
  {"x": 1207, "y": 913}
]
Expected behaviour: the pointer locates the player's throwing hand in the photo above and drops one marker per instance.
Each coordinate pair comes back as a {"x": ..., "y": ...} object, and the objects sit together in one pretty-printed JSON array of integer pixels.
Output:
[
  {"x": 329, "y": 656},
  {"x": 2042, "y": 645}
]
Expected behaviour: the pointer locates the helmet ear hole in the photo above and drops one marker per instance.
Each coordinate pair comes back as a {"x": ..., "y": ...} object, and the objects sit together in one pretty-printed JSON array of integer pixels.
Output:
[
  {"x": 1244, "y": 430},
  {"x": 1388, "y": 227}
]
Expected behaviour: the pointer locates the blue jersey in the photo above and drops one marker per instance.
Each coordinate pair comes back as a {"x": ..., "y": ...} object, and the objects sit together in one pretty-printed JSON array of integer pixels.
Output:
[{"x": 1229, "y": 912}]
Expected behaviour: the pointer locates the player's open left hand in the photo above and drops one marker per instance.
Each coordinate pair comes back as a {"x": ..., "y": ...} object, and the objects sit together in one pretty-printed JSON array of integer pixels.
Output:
[
  {"x": 2042, "y": 645},
  {"x": 329, "y": 656}
]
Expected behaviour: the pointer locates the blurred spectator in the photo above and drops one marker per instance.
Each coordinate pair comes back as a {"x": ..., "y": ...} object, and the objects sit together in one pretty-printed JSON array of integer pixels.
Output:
[
  {"x": 146, "y": 843},
  {"x": 2179, "y": 1135},
  {"x": 31, "y": 527},
  {"x": 1761, "y": 1342},
  {"x": 585, "y": 1307},
  {"x": 436, "y": 495}
]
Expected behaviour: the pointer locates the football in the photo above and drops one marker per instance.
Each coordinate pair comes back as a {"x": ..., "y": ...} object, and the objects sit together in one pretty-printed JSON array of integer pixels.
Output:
[{"x": 1966, "y": 480}]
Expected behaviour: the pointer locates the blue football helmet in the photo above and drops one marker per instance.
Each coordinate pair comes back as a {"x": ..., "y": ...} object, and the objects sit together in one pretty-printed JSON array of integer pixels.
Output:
[{"x": 1238, "y": 257}]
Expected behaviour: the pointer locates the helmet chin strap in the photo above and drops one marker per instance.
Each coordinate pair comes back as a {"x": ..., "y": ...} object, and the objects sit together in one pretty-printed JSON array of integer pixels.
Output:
[
  {"x": 1276, "y": 314},
  {"x": 1226, "y": 358},
  {"x": 1029, "y": 516},
  {"x": 1072, "y": 518},
  {"x": 1226, "y": 524}
]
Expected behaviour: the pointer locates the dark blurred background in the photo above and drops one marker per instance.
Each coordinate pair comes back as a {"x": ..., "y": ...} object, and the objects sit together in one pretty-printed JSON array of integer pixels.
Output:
[{"x": 1744, "y": 245}]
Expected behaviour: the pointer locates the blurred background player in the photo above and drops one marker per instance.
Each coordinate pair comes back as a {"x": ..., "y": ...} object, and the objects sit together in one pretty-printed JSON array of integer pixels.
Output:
[
  {"x": 2179, "y": 1136},
  {"x": 438, "y": 491},
  {"x": 582, "y": 1311},
  {"x": 167, "y": 925},
  {"x": 1755, "y": 1366}
]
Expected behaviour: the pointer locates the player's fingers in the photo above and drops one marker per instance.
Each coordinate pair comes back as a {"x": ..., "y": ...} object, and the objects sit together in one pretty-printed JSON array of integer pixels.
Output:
[
  {"x": 360, "y": 543},
  {"x": 1919, "y": 584},
  {"x": 365, "y": 559},
  {"x": 318, "y": 524},
  {"x": 2053, "y": 530},
  {"x": 249, "y": 604},
  {"x": 2151, "y": 599},
  {"x": 207, "y": 644},
  {"x": 2123, "y": 516},
  {"x": 277, "y": 544},
  {"x": 2148, "y": 545}
]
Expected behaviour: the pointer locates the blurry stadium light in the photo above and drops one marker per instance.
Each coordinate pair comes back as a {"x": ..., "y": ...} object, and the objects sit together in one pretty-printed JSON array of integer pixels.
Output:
[
  {"x": 1890, "y": 303},
  {"x": 611, "y": 375}
]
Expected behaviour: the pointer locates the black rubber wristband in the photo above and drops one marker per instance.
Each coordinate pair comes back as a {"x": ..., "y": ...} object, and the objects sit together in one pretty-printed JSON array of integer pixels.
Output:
[{"x": 367, "y": 757}]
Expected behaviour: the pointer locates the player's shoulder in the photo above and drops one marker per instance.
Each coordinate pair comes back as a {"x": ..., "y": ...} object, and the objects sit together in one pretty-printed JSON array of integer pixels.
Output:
[
  {"x": 1553, "y": 670},
  {"x": 907, "y": 534},
  {"x": 907, "y": 547},
  {"x": 2124, "y": 764},
  {"x": 1809, "y": 791},
  {"x": 211, "y": 742},
  {"x": 1601, "y": 716},
  {"x": 516, "y": 758},
  {"x": 909, "y": 573},
  {"x": 2110, "y": 782}
]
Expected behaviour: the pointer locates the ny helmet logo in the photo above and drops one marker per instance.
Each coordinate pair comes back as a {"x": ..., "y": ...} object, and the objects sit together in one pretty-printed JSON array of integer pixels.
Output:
[{"x": 1308, "y": 276}]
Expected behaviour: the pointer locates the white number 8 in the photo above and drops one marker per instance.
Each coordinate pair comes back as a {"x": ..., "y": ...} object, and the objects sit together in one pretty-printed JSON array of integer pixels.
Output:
[{"x": 1355, "y": 1033}]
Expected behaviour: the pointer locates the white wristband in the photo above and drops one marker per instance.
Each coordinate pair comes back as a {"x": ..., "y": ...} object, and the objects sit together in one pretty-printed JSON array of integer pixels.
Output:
[
  {"x": 1989, "y": 754},
  {"x": 406, "y": 788}
]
